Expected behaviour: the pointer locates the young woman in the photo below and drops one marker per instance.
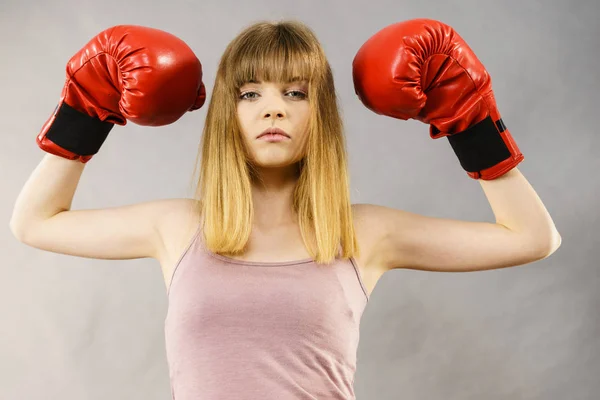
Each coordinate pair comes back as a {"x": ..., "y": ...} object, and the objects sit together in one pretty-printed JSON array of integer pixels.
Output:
[{"x": 263, "y": 271}]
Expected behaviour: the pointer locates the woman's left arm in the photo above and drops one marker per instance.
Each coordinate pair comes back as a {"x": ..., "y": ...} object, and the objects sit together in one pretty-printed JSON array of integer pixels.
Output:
[
  {"x": 523, "y": 233},
  {"x": 422, "y": 69}
]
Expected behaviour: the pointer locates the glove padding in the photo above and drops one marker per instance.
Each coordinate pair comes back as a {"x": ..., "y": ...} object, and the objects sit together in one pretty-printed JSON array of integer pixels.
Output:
[
  {"x": 127, "y": 72},
  {"x": 422, "y": 69}
]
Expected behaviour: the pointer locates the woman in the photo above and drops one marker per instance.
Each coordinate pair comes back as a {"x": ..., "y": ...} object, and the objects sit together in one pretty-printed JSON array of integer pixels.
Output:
[{"x": 264, "y": 275}]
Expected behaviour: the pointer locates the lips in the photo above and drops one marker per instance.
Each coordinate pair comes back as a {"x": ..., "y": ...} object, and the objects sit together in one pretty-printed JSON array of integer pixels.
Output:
[{"x": 273, "y": 131}]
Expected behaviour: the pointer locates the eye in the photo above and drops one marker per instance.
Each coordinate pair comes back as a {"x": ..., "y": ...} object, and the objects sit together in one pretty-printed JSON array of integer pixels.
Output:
[
  {"x": 242, "y": 96},
  {"x": 298, "y": 94},
  {"x": 301, "y": 94}
]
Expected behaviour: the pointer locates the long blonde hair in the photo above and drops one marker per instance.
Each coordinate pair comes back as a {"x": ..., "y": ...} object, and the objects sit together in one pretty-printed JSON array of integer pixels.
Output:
[{"x": 275, "y": 52}]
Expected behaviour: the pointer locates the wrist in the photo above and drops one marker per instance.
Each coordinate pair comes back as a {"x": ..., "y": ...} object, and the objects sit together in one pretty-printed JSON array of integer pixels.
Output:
[
  {"x": 485, "y": 150},
  {"x": 73, "y": 135}
]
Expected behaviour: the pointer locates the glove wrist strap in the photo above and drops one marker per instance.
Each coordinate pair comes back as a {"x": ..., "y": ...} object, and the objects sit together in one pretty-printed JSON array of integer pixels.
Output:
[
  {"x": 481, "y": 146},
  {"x": 77, "y": 132}
]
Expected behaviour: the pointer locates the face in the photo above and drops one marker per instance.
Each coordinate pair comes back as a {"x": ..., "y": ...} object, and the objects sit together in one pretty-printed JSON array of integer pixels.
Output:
[{"x": 263, "y": 105}]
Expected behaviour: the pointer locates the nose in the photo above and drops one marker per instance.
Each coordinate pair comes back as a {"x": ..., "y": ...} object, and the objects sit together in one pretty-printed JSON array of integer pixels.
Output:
[
  {"x": 274, "y": 110},
  {"x": 274, "y": 113}
]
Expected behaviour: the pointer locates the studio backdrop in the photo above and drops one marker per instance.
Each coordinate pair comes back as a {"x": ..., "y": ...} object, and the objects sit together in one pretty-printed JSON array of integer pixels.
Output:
[{"x": 82, "y": 329}]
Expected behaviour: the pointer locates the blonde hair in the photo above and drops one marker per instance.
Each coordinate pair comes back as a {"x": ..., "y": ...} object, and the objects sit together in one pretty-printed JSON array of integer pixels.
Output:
[{"x": 275, "y": 52}]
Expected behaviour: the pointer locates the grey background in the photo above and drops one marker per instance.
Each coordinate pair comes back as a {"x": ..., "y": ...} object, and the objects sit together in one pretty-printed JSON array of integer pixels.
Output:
[{"x": 73, "y": 328}]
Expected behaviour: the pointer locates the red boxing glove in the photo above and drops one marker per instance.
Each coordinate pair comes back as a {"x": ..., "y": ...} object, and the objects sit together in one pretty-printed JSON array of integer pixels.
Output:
[
  {"x": 422, "y": 69},
  {"x": 144, "y": 75}
]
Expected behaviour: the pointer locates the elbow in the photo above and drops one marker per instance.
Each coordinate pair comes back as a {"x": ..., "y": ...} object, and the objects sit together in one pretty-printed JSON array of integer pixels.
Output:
[
  {"x": 551, "y": 245},
  {"x": 17, "y": 231}
]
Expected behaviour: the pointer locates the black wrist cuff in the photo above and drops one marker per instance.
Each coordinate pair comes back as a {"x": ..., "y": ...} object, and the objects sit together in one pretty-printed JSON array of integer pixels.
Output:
[
  {"x": 78, "y": 132},
  {"x": 481, "y": 146}
]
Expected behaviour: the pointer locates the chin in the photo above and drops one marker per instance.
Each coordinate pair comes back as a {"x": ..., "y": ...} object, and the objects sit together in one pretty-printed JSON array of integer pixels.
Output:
[{"x": 273, "y": 163}]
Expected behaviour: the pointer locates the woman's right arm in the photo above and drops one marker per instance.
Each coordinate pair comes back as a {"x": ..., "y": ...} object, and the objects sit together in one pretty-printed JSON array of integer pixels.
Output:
[
  {"x": 42, "y": 218},
  {"x": 92, "y": 101}
]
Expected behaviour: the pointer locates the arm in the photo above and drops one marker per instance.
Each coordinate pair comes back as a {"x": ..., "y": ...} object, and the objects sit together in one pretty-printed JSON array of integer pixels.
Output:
[
  {"x": 517, "y": 206},
  {"x": 42, "y": 218},
  {"x": 422, "y": 69},
  {"x": 523, "y": 233},
  {"x": 48, "y": 192},
  {"x": 91, "y": 103}
]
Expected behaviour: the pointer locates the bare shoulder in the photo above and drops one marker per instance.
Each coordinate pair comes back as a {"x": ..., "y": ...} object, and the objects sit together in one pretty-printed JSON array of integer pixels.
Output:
[
  {"x": 366, "y": 219},
  {"x": 368, "y": 234},
  {"x": 368, "y": 224},
  {"x": 388, "y": 233},
  {"x": 176, "y": 228}
]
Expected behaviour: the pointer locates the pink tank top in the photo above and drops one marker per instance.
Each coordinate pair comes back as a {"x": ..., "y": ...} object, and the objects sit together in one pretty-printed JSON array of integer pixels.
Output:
[{"x": 262, "y": 330}]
